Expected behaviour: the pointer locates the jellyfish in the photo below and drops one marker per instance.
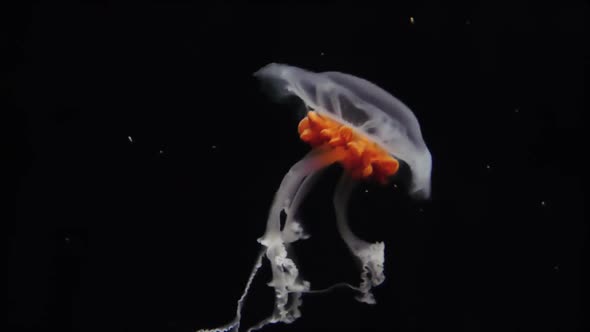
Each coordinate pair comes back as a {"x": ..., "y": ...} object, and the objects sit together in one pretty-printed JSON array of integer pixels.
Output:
[{"x": 346, "y": 120}]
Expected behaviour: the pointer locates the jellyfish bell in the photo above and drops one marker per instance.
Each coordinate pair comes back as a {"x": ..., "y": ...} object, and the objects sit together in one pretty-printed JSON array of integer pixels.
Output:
[{"x": 361, "y": 105}]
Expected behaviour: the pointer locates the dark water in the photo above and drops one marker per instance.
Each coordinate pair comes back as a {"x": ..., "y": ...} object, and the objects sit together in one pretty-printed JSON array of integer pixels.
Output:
[{"x": 142, "y": 160}]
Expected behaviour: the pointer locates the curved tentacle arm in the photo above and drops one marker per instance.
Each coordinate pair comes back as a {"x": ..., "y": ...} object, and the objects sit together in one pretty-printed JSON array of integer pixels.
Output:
[
  {"x": 314, "y": 161},
  {"x": 286, "y": 282},
  {"x": 371, "y": 255},
  {"x": 292, "y": 230}
]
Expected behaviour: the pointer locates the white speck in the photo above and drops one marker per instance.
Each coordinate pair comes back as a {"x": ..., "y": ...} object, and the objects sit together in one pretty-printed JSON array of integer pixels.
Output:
[
  {"x": 543, "y": 203},
  {"x": 322, "y": 53},
  {"x": 67, "y": 239},
  {"x": 161, "y": 151},
  {"x": 130, "y": 139},
  {"x": 213, "y": 146},
  {"x": 556, "y": 267},
  {"x": 467, "y": 22},
  {"x": 516, "y": 110},
  {"x": 395, "y": 185},
  {"x": 412, "y": 19},
  {"x": 488, "y": 166},
  {"x": 366, "y": 190}
]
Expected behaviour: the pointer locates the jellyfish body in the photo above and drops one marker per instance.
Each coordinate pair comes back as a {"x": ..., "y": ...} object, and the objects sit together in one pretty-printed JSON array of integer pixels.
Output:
[{"x": 366, "y": 130}]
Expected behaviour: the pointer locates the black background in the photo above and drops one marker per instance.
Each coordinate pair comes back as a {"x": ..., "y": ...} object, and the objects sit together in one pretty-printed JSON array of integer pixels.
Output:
[{"x": 159, "y": 232}]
